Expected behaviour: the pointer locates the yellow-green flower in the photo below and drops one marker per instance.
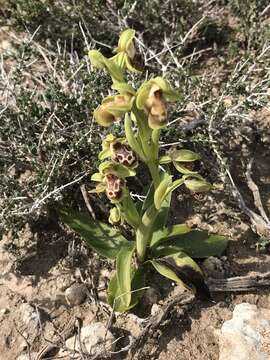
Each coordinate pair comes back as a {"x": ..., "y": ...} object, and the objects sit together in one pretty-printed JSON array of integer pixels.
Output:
[
  {"x": 112, "y": 109},
  {"x": 152, "y": 97},
  {"x": 119, "y": 151},
  {"x": 156, "y": 107},
  {"x": 115, "y": 217},
  {"x": 111, "y": 180}
]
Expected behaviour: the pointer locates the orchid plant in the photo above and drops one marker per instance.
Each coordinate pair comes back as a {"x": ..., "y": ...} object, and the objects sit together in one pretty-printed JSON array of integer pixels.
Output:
[{"x": 171, "y": 250}]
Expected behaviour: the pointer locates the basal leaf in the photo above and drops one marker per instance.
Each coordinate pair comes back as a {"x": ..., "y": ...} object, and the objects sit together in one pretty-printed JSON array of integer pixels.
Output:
[
  {"x": 114, "y": 291},
  {"x": 196, "y": 243},
  {"x": 127, "y": 284},
  {"x": 101, "y": 237},
  {"x": 183, "y": 270},
  {"x": 168, "y": 232},
  {"x": 124, "y": 273},
  {"x": 137, "y": 286}
]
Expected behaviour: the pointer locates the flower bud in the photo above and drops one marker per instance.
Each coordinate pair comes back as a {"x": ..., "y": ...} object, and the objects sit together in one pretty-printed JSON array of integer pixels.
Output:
[
  {"x": 126, "y": 44},
  {"x": 115, "y": 216},
  {"x": 114, "y": 187},
  {"x": 198, "y": 185},
  {"x": 123, "y": 154}
]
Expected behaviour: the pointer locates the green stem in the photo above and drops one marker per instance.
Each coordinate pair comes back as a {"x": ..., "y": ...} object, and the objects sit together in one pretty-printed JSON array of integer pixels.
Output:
[
  {"x": 154, "y": 171},
  {"x": 144, "y": 232},
  {"x": 149, "y": 140}
]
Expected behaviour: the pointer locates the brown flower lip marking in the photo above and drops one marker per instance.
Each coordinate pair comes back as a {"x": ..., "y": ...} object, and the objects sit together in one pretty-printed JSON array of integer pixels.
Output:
[
  {"x": 123, "y": 154},
  {"x": 114, "y": 187}
]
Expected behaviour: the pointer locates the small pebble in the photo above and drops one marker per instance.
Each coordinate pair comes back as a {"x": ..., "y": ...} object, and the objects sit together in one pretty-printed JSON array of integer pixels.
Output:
[{"x": 76, "y": 294}]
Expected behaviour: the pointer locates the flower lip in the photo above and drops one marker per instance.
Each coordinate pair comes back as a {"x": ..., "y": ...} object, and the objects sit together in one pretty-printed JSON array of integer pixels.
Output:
[
  {"x": 123, "y": 154},
  {"x": 114, "y": 187}
]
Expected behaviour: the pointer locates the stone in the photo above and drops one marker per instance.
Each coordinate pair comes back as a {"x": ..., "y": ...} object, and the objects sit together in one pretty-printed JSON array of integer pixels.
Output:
[
  {"x": 95, "y": 338},
  {"x": 28, "y": 315},
  {"x": 4, "y": 311},
  {"x": 247, "y": 335},
  {"x": 215, "y": 268},
  {"x": 76, "y": 294}
]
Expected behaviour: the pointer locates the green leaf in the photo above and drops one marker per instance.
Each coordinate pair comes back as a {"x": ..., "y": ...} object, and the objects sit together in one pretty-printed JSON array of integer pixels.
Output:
[
  {"x": 96, "y": 59},
  {"x": 161, "y": 218},
  {"x": 115, "y": 216},
  {"x": 101, "y": 237},
  {"x": 137, "y": 286},
  {"x": 130, "y": 212},
  {"x": 168, "y": 232},
  {"x": 148, "y": 201},
  {"x": 196, "y": 243},
  {"x": 104, "y": 154},
  {"x": 113, "y": 295},
  {"x": 130, "y": 66},
  {"x": 114, "y": 70},
  {"x": 100, "y": 62},
  {"x": 176, "y": 184},
  {"x": 162, "y": 190},
  {"x": 119, "y": 59},
  {"x": 124, "y": 273},
  {"x": 183, "y": 270},
  {"x": 120, "y": 287}
]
